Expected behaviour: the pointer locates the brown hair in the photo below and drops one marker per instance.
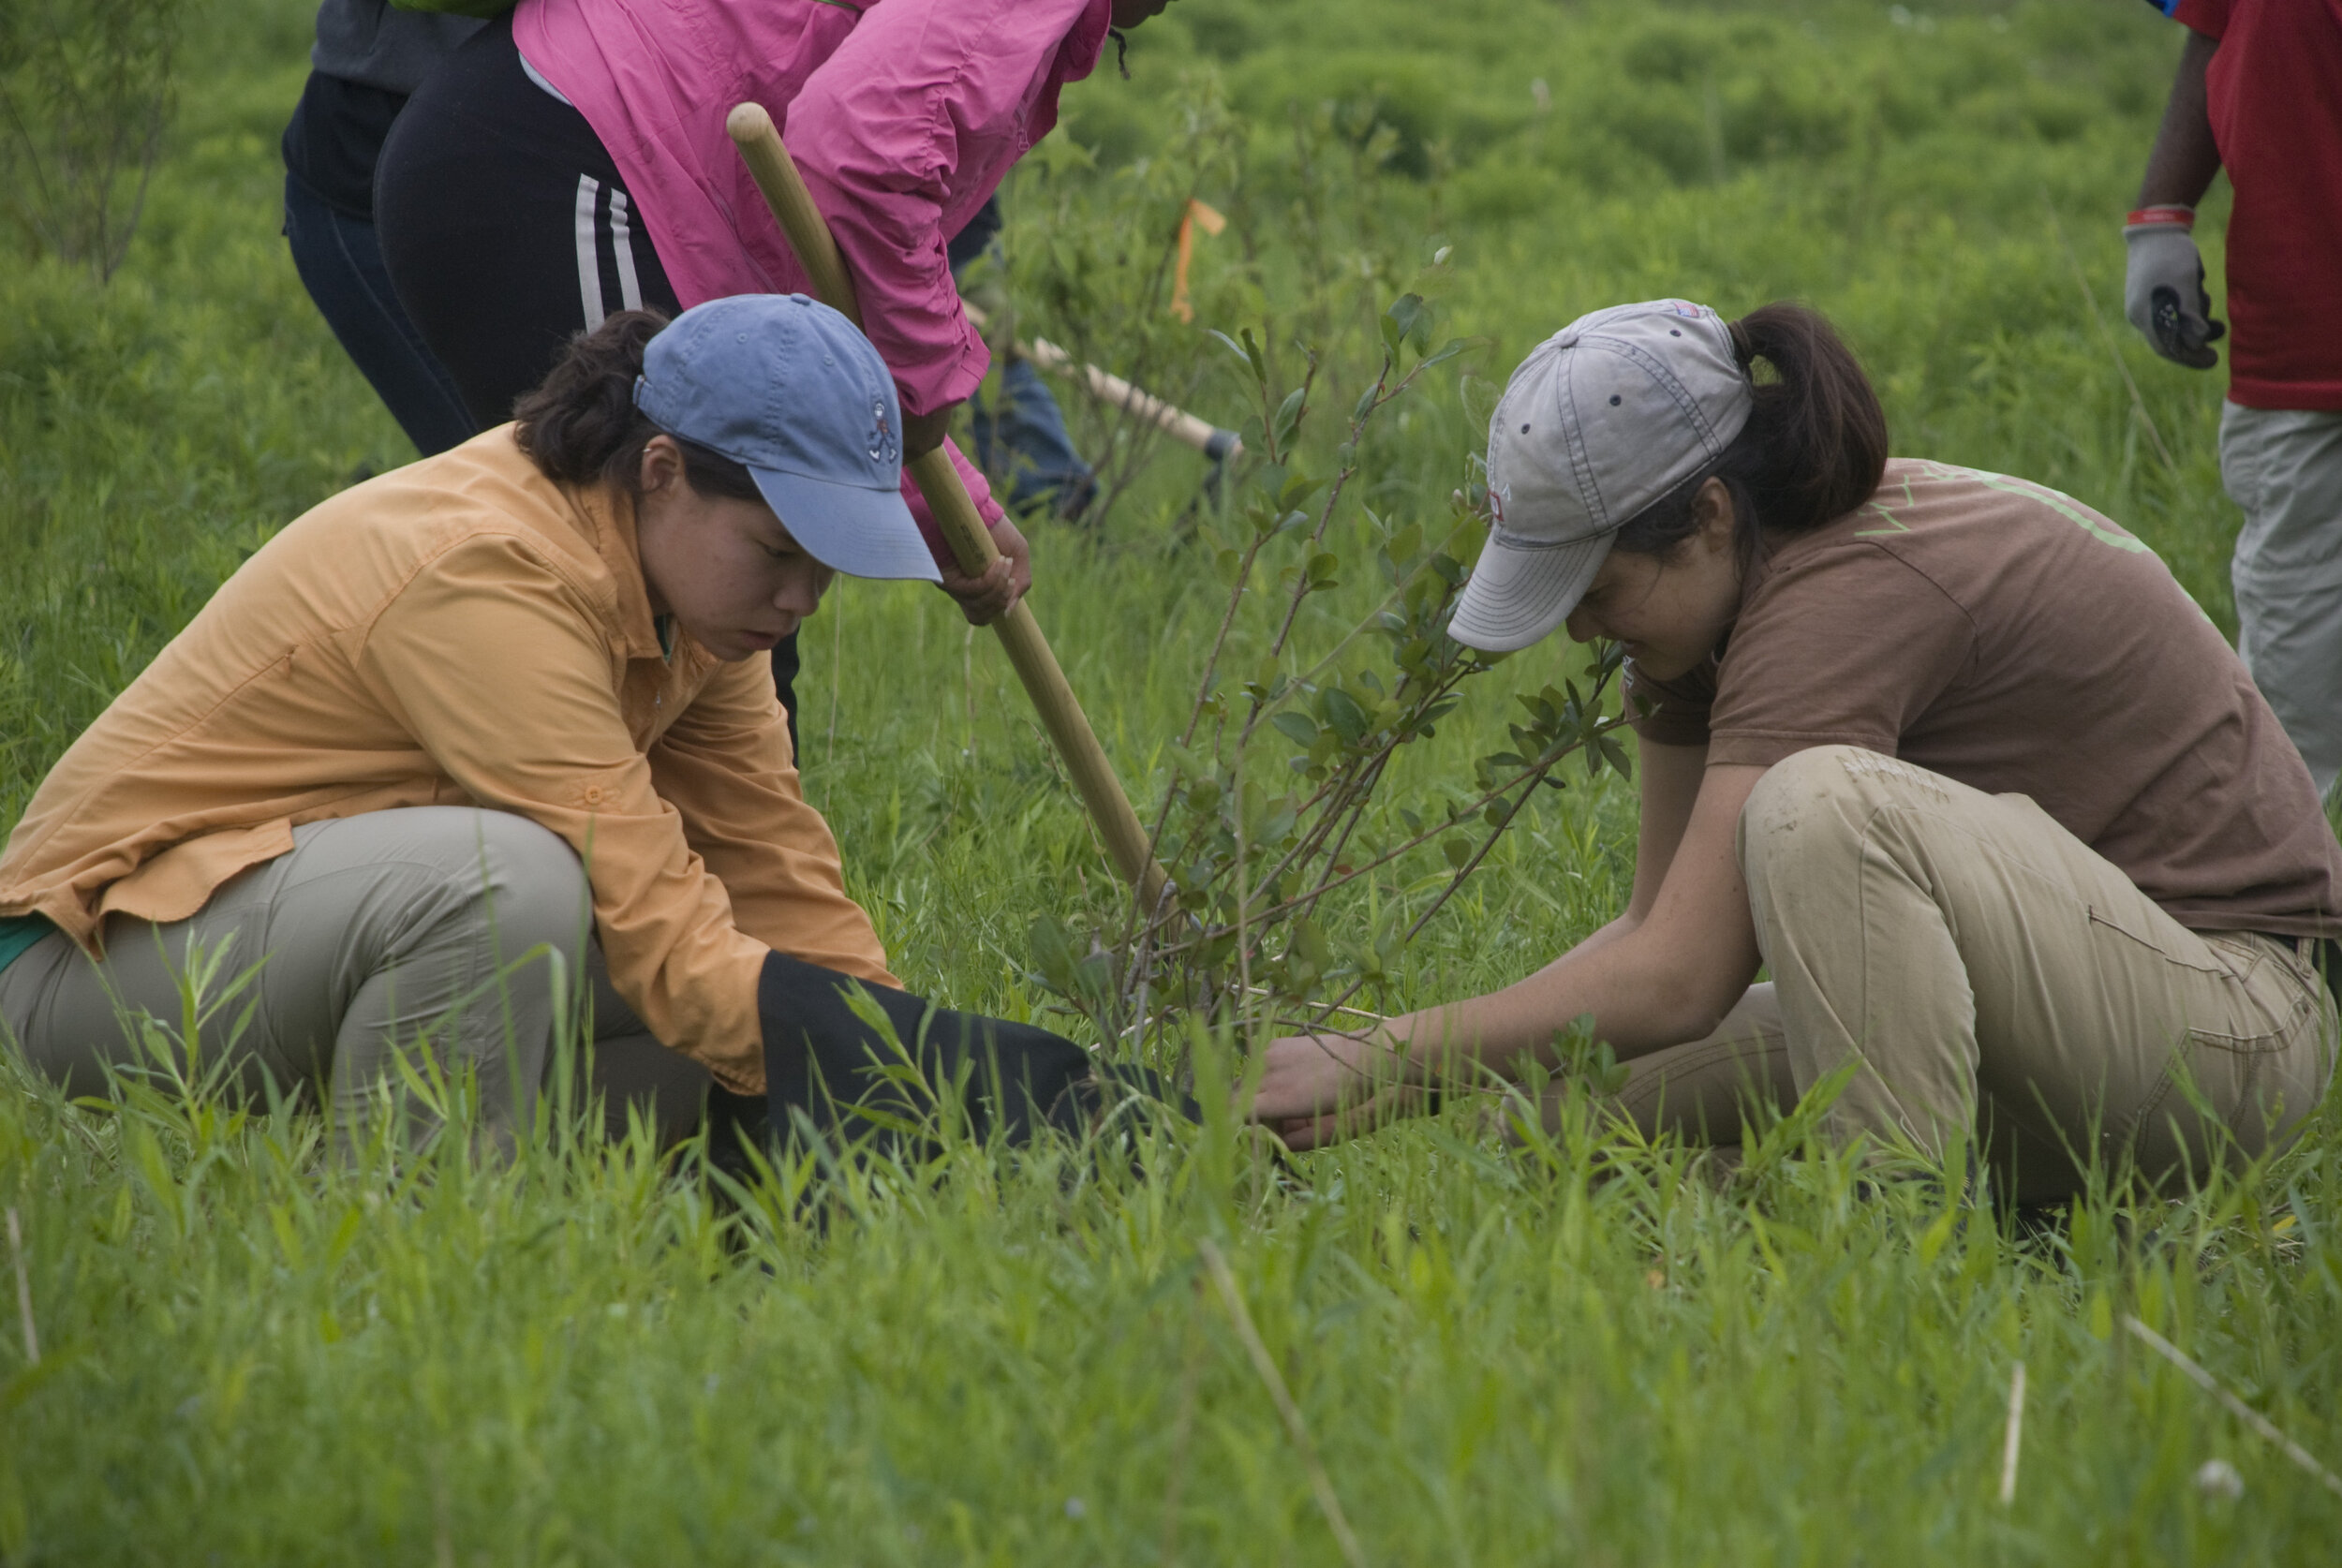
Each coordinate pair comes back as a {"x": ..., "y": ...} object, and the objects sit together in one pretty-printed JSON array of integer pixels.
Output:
[
  {"x": 580, "y": 424},
  {"x": 1813, "y": 449}
]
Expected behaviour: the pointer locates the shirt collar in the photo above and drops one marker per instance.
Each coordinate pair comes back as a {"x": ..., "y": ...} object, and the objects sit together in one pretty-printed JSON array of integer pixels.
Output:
[{"x": 611, "y": 525}]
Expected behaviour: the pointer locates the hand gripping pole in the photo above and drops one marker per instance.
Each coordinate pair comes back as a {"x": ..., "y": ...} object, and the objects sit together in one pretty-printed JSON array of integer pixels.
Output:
[{"x": 775, "y": 176}]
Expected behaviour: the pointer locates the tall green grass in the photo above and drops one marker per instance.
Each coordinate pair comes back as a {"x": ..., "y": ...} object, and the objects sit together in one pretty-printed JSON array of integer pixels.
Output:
[{"x": 1574, "y": 1352}]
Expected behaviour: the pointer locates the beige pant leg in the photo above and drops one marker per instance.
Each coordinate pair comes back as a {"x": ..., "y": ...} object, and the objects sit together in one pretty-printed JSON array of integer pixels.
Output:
[
  {"x": 1973, "y": 962},
  {"x": 424, "y": 933},
  {"x": 1707, "y": 1091}
]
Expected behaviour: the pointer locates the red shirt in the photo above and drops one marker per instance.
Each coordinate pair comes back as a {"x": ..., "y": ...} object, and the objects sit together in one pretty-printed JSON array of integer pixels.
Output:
[{"x": 2275, "y": 96}]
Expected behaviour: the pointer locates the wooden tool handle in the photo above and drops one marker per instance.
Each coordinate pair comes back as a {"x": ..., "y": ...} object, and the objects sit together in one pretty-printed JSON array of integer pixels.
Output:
[
  {"x": 1109, "y": 388},
  {"x": 775, "y": 174}
]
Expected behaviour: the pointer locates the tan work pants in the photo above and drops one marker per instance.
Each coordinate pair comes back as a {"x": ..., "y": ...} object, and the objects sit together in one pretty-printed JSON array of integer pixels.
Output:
[
  {"x": 1984, "y": 972},
  {"x": 427, "y": 931}
]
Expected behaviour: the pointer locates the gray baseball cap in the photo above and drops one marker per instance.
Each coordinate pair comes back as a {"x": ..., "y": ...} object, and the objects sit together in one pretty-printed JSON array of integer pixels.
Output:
[
  {"x": 790, "y": 390},
  {"x": 1600, "y": 421}
]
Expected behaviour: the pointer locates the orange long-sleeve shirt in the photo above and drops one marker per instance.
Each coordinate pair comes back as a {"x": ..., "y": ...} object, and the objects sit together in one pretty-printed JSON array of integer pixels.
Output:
[{"x": 463, "y": 631}]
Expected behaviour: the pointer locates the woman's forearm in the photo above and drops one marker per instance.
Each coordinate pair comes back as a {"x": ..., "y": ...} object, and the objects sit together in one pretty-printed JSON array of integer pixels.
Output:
[
  {"x": 1640, "y": 999},
  {"x": 1649, "y": 983},
  {"x": 1668, "y": 978}
]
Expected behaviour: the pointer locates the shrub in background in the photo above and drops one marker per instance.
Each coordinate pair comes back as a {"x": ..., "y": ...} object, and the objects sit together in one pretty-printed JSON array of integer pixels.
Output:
[
  {"x": 85, "y": 93},
  {"x": 1297, "y": 880}
]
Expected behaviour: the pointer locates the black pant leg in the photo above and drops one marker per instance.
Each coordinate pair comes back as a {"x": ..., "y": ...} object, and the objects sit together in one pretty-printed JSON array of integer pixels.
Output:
[
  {"x": 505, "y": 226},
  {"x": 340, "y": 264}
]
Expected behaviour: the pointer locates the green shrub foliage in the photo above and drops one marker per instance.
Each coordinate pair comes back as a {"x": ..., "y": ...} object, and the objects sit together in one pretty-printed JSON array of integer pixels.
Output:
[{"x": 85, "y": 94}]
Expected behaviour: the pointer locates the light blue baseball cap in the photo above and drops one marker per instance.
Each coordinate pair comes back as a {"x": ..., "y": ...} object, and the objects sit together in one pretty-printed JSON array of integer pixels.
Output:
[{"x": 792, "y": 391}]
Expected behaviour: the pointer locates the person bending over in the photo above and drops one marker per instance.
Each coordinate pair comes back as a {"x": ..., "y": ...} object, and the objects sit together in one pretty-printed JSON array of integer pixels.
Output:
[
  {"x": 572, "y": 158},
  {"x": 1955, "y": 755},
  {"x": 508, "y": 703}
]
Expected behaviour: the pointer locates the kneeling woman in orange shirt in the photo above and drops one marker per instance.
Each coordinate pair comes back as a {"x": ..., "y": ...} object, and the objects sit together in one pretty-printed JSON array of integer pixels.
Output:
[{"x": 455, "y": 722}]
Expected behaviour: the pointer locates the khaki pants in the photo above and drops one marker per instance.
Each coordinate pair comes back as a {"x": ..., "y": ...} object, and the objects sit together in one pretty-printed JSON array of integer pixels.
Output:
[
  {"x": 1984, "y": 972},
  {"x": 427, "y": 931},
  {"x": 2284, "y": 468}
]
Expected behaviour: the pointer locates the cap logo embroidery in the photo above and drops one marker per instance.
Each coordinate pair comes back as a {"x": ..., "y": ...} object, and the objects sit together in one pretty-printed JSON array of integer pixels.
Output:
[{"x": 881, "y": 438}]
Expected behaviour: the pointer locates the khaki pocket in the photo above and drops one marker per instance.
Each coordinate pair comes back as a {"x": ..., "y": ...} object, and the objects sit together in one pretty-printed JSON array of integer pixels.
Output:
[{"x": 2284, "y": 987}]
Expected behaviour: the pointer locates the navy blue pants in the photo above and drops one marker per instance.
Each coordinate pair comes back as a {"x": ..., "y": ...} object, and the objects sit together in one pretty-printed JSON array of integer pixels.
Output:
[
  {"x": 1026, "y": 435},
  {"x": 340, "y": 263}
]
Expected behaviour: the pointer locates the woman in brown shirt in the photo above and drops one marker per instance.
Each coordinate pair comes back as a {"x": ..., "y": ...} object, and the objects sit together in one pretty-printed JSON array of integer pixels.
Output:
[{"x": 1949, "y": 752}]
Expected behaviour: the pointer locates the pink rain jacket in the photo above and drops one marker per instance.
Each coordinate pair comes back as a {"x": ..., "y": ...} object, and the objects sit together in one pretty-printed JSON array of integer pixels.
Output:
[{"x": 903, "y": 115}]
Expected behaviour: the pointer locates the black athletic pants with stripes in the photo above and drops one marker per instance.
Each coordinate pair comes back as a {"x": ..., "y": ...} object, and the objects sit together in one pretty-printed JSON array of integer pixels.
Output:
[{"x": 507, "y": 232}]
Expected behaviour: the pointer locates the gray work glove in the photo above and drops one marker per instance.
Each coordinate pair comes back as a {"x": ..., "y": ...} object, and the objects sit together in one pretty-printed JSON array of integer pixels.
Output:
[{"x": 2163, "y": 290}]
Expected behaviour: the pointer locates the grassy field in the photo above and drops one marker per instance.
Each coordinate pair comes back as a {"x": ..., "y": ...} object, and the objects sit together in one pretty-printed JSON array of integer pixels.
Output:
[{"x": 1572, "y": 1353}]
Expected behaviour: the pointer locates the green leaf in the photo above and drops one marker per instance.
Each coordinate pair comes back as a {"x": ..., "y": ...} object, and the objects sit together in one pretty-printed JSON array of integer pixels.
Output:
[
  {"x": 1448, "y": 350},
  {"x": 1260, "y": 359},
  {"x": 1412, "y": 319},
  {"x": 1246, "y": 352},
  {"x": 1288, "y": 418},
  {"x": 1457, "y": 850},
  {"x": 1294, "y": 488},
  {"x": 1343, "y": 712},
  {"x": 1300, "y": 727}
]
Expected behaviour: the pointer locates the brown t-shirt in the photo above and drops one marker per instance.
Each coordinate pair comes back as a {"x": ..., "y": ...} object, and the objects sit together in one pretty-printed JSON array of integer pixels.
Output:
[{"x": 1999, "y": 633}]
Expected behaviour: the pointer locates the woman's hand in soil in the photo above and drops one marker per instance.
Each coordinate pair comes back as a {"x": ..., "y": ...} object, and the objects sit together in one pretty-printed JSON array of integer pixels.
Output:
[
  {"x": 993, "y": 592},
  {"x": 1320, "y": 1088}
]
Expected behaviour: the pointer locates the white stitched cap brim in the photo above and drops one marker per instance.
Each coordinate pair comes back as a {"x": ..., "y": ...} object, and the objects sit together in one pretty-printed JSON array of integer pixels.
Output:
[{"x": 1519, "y": 593}]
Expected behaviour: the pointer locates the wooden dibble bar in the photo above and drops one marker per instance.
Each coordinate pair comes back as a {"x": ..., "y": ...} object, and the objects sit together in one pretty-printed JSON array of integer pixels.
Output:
[{"x": 775, "y": 174}]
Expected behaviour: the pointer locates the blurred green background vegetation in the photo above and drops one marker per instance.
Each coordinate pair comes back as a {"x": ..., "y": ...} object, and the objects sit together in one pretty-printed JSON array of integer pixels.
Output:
[{"x": 1501, "y": 1357}]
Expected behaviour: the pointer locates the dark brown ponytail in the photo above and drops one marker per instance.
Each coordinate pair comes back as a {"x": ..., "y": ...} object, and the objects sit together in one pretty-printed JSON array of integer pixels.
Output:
[
  {"x": 580, "y": 425},
  {"x": 1813, "y": 449}
]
